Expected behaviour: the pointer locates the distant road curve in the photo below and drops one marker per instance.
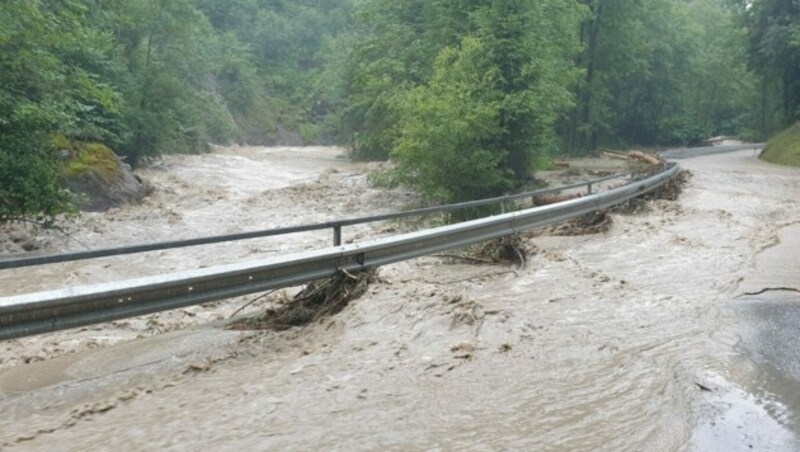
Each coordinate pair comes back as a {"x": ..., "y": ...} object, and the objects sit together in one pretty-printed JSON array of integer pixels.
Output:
[{"x": 685, "y": 153}]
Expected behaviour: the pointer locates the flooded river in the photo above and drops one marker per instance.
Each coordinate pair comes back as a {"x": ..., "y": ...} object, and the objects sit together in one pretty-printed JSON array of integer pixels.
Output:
[{"x": 634, "y": 339}]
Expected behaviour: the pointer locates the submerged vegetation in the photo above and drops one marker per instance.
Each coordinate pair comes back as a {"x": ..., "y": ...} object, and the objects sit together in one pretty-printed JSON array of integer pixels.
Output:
[{"x": 467, "y": 96}]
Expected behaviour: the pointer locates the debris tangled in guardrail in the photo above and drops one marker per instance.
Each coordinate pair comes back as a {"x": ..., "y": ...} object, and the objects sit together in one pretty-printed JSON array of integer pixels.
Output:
[
  {"x": 591, "y": 223},
  {"x": 505, "y": 250},
  {"x": 673, "y": 188},
  {"x": 511, "y": 249},
  {"x": 317, "y": 300}
]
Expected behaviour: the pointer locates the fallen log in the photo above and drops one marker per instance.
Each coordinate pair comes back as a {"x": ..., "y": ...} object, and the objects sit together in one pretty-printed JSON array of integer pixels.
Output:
[
  {"x": 644, "y": 157},
  {"x": 614, "y": 155}
]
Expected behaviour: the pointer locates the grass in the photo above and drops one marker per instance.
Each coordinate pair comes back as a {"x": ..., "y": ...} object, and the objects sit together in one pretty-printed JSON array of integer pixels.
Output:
[{"x": 784, "y": 148}]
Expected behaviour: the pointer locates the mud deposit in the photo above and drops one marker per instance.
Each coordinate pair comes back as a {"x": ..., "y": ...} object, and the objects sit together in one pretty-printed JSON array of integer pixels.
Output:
[{"x": 622, "y": 340}]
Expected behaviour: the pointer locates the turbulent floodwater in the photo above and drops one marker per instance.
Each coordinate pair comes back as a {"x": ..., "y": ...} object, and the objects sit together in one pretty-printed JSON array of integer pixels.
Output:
[
  {"x": 626, "y": 340},
  {"x": 231, "y": 190}
]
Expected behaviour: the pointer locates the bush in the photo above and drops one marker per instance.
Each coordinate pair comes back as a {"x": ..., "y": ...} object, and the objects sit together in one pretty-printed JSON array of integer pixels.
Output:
[
  {"x": 443, "y": 151},
  {"x": 31, "y": 187},
  {"x": 784, "y": 148}
]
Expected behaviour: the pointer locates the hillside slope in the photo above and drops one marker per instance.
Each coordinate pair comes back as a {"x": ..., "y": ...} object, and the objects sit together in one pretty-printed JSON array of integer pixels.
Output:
[{"x": 784, "y": 148}]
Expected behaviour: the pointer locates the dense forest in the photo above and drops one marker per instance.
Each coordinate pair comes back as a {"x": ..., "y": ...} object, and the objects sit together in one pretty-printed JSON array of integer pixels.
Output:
[{"x": 466, "y": 96}]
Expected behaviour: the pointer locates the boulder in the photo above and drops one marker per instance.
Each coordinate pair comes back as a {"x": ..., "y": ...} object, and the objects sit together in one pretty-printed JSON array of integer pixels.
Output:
[{"x": 99, "y": 179}]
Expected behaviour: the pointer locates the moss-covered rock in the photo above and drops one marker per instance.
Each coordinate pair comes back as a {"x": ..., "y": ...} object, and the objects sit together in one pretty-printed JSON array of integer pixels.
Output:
[
  {"x": 96, "y": 176},
  {"x": 784, "y": 148}
]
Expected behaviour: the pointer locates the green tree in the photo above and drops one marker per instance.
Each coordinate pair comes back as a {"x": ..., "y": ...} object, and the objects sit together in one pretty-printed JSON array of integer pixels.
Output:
[
  {"x": 49, "y": 82},
  {"x": 288, "y": 41},
  {"x": 151, "y": 76},
  {"x": 174, "y": 77},
  {"x": 449, "y": 125},
  {"x": 658, "y": 72},
  {"x": 394, "y": 44},
  {"x": 774, "y": 50},
  {"x": 490, "y": 106}
]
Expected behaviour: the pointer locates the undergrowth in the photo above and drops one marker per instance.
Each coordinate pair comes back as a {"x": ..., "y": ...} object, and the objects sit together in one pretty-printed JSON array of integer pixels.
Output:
[{"x": 784, "y": 148}]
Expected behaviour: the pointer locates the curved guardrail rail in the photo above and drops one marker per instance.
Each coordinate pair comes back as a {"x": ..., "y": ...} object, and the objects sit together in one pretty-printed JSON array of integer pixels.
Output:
[
  {"x": 42, "y": 312},
  {"x": 336, "y": 226}
]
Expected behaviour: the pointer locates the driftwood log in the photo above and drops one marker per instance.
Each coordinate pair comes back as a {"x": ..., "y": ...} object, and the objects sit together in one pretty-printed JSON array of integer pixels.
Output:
[
  {"x": 644, "y": 157},
  {"x": 615, "y": 156},
  {"x": 650, "y": 159}
]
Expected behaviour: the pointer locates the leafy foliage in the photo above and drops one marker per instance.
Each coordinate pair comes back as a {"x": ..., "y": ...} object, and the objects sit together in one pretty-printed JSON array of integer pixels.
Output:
[
  {"x": 444, "y": 148},
  {"x": 467, "y": 95},
  {"x": 784, "y": 148},
  {"x": 659, "y": 72},
  {"x": 43, "y": 89},
  {"x": 463, "y": 94},
  {"x": 282, "y": 98},
  {"x": 393, "y": 48},
  {"x": 773, "y": 28},
  {"x": 147, "y": 77}
]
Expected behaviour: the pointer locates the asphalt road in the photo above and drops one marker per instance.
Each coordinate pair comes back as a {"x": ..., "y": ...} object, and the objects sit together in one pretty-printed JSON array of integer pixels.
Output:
[
  {"x": 764, "y": 412},
  {"x": 685, "y": 153}
]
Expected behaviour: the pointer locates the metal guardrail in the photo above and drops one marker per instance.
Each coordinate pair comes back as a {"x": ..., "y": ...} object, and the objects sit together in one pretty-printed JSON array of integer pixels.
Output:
[
  {"x": 42, "y": 312},
  {"x": 336, "y": 226}
]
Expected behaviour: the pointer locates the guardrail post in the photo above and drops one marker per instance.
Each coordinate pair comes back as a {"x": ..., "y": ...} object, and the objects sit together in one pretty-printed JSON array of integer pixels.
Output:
[
  {"x": 503, "y": 206},
  {"x": 589, "y": 186},
  {"x": 337, "y": 235}
]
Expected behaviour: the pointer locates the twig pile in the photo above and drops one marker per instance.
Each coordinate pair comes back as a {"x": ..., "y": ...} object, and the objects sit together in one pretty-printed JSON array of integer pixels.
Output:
[
  {"x": 505, "y": 250},
  {"x": 317, "y": 300},
  {"x": 509, "y": 249},
  {"x": 591, "y": 223},
  {"x": 674, "y": 187}
]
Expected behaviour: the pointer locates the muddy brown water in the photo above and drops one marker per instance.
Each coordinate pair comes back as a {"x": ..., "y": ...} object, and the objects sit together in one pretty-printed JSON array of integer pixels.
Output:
[{"x": 632, "y": 339}]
